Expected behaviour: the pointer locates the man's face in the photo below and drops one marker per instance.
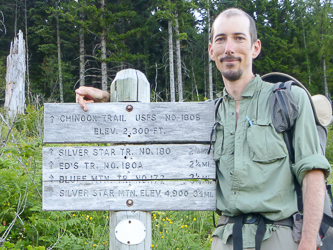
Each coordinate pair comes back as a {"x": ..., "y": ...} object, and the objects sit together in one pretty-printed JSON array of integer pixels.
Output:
[{"x": 231, "y": 48}]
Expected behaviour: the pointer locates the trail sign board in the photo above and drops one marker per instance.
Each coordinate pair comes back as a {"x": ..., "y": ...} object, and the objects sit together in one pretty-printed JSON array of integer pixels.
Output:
[
  {"x": 130, "y": 195},
  {"x": 129, "y": 122},
  {"x": 117, "y": 163},
  {"x": 149, "y": 175}
]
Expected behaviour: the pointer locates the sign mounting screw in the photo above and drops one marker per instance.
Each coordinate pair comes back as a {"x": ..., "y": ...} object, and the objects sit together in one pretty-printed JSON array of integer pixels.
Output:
[{"x": 129, "y": 108}]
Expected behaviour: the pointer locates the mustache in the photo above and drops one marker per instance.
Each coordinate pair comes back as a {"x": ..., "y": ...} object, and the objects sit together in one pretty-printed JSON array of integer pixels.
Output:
[{"x": 230, "y": 58}]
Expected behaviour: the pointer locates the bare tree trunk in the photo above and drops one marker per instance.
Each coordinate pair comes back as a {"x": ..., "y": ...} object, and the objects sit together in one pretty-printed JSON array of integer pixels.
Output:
[
  {"x": 325, "y": 77},
  {"x": 307, "y": 56},
  {"x": 179, "y": 62},
  {"x": 15, "y": 77},
  {"x": 103, "y": 45},
  {"x": 210, "y": 74},
  {"x": 156, "y": 75},
  {"x": 27, "y": 52},
  {"x": 171, "y": 67},
  {"x": 61, "y": 92},
  {"x": 195, "y": 81},
  {"x": 15, "y": 24},
  {"x": 82, "y": 62},
  {"x": 205, "y": 74}
]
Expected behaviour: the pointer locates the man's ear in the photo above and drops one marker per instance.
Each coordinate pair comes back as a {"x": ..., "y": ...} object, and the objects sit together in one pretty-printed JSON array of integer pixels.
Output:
[
  {"x": 210, "y": 51},
  {"x": 256, "y": 48}
]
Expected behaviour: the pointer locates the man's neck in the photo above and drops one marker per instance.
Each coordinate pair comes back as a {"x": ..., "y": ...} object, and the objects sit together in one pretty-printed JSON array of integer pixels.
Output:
[{"x": 236, "y": 88}]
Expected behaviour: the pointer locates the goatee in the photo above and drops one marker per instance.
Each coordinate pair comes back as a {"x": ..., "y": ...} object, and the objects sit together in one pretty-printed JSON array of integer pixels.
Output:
[{"x": 232, "y": 75}]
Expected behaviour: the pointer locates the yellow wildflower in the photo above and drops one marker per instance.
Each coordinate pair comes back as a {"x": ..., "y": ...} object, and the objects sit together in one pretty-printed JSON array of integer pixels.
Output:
[{"x": 194, "y": 219}]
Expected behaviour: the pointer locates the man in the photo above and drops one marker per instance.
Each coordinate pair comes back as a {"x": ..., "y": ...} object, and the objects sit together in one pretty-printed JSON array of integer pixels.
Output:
[{"x": 255, "y": 185}]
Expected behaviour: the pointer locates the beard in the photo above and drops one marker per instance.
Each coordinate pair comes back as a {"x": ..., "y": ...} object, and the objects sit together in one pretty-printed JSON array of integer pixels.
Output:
[{"x": 232, "y": 75}]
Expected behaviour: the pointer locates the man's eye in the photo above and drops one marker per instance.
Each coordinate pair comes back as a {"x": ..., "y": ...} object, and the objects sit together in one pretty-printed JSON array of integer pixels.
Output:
[
  {"x": 219, "y": 39},
  {"x": 240, "y": 38}
]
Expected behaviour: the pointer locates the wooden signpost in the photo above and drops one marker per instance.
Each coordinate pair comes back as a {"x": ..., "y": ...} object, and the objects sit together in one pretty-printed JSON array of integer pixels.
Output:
[{"x": 161, "y": 169}]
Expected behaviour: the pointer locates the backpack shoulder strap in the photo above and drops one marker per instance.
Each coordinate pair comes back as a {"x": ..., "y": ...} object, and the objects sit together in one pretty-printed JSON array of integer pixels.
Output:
[{"x": 217, "y": 105}]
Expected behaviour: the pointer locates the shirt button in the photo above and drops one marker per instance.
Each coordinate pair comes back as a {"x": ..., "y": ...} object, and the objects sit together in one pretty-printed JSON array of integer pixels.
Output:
[
  {"x": 234, "y": 192},
  {"x": 232, "y": 153},
  {"x": 231, "y": 173},
  {"x": 231, "y": 133},
  {"x": 232, "y": 113}
]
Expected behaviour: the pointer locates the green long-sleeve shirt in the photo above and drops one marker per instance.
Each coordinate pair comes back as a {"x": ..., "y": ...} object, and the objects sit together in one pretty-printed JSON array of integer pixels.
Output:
[{"x": 254, "y": 171}]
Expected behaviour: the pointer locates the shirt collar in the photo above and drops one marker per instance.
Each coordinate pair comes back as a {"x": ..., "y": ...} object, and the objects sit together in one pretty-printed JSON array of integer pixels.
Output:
[{"x": 250, "y": 89}]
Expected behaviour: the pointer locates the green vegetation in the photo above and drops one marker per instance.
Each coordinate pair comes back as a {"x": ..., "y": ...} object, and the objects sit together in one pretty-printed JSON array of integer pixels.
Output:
[{"x": 295, "y": 35}]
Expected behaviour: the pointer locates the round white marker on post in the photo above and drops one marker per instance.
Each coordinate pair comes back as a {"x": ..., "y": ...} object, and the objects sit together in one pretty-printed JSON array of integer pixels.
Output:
[{"x": 130, "y": 232}]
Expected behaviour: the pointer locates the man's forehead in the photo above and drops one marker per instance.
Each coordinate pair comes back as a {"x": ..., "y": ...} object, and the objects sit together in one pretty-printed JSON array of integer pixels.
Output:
[{"x": 235, "y": 24}]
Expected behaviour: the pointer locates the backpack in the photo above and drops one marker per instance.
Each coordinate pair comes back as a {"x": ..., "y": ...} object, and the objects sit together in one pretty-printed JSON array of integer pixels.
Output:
[{"x": 284, "y": 112}]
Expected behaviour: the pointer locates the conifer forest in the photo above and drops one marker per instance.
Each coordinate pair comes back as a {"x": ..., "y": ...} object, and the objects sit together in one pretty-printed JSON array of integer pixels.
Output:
[{"x": 73, "y": 43}]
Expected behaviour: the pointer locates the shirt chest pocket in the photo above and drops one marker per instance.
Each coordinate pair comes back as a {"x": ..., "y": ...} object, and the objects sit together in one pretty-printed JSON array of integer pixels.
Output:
[
  {"x": 218, "y": 145},
  {"x": 265, "y": 144}
]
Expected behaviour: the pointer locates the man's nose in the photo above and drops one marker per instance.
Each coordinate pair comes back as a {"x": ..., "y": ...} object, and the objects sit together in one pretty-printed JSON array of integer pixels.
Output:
[{"x": 229, "y": 47}]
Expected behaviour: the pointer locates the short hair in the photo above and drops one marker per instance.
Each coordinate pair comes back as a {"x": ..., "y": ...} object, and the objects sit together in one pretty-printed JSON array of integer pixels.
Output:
[{"x": 238, "y": 12}]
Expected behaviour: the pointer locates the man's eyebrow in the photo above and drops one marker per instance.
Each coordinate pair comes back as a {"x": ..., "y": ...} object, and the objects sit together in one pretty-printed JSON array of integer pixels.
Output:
[
  {"x": 239, "y": 33},
  {"x": 221, "y": 34},
  {"x": 236, "y": 33}
]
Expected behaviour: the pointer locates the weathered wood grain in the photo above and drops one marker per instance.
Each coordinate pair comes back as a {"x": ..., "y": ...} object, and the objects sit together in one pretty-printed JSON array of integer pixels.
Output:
[
  {"x": 15, "y": 77},
  {"x": 150, "y": 195},
  {"x": 130, "y": 162},
  {"x": 130, "y": 85},
  {"x": 111, "y": 122}
]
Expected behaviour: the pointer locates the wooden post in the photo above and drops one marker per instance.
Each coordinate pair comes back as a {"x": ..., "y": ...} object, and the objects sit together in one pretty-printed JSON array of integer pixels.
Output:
[
  {"x": 15, "y": 77},
  {"x": 130, "y": 85}
]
